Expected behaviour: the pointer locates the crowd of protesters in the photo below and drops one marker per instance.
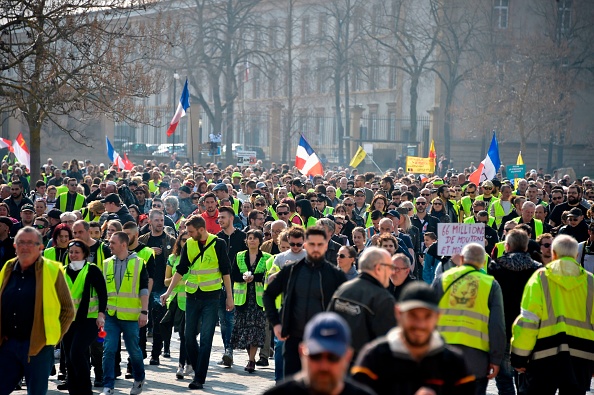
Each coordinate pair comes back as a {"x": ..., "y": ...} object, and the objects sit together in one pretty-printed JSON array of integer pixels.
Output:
[{"x": 264, "y": 252}]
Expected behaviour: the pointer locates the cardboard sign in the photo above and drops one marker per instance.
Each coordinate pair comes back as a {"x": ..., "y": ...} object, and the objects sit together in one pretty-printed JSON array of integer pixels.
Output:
[
  {"x": 415, "y": 164},
  {"x": 452, "y": 237},
  {"x": 246, "y": 158},
  {"x": 515, "y": 171}
]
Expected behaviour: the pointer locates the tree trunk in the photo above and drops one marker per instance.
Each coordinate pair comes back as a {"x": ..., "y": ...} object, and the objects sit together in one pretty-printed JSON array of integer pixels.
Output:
[
  {"x": 347, "y": 117},
  {"x": 414, "y": 98},
  {"x": 339, "y": 124},
  {"x": 229, "y": 137}
]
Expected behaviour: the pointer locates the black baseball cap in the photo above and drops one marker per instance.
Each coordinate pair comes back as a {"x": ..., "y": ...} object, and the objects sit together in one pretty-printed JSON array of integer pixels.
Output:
[
  {"x": 112, "y": 198},
  {"x": 418, "y": 294},
  {"x": 27, "y": 207}
]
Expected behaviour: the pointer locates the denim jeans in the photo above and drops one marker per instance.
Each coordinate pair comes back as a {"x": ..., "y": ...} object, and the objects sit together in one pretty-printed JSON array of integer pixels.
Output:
[
  {"x": 14, "y": 362},
  {"x": 505, "y": 378},
  {"x": 226, "y": 319},
  {"x": 278, "y": 360},
  {"x": 201, "y": 317},
  {"x": 114, "y": 327}
]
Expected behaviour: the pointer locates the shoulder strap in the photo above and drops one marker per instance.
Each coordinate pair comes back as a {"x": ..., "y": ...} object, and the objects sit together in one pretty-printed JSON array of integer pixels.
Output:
[
  {"x": 203, "y": 250},
  {"x": 456, "y": 280}
]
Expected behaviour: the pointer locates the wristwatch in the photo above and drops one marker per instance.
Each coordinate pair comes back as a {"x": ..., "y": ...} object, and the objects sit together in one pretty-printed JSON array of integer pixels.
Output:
[{"x": 144, "y": 312}]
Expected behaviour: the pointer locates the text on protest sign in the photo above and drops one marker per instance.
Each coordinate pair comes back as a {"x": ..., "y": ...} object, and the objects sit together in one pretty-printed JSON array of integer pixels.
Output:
[{"x": 452, "y": 237}]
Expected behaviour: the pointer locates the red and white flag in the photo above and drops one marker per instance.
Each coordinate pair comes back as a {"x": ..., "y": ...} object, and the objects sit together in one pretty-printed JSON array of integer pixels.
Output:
[
  {"x": 5, "y": 143},
  {"x": 307, "y": 161},
  {"x": 21, "y": 151}
]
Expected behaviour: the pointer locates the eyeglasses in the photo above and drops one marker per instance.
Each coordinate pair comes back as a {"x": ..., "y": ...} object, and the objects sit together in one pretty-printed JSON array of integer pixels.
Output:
[
  {"x": 573, "y": 219},
  {"x": 487, "y": 188},
  {"x": 259, "y": 204},
  {"x": 375, "y": 189},
  {"x": 156, "y": 206},
  {"x": 339, "y": 223},
  {"x": 296, "y": 244},
  {"x": 27, "y": 243},
  {"x": 282, "y": 213},
  {"x": 40, "y": 226},
  {"x": 75, "y": 243},
  {"x": 546, "y": 245},
  {"x": 349, "y": 204},
  {"x": 139, "y": 192},
  {"x": 332, "y": 358},
  {"x": 420, "y": 204},
  {"x": 342, "y": 256},
  {"x": 195, "y": 197},
  {"x": 359, "y": 195},
  {"x": 437, "y": 204},
  {"x": 558, "y": 198},
  {"x": 425, "y": 194}
]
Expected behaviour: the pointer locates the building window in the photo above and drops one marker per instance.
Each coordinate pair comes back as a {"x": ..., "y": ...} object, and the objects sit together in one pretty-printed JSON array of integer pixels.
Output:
[
  {"x": 392, "y": 74},
  {"x": 272, "y": 84},
  {"x": 320, "y": 77},
  {"x": 564, "y": 16},
  {"x": 374, "y": 78},
  {"x": 372, "y": 126},
  {"x": 305, "y": 30},
  {"x": 392, "y": 125},
  {"x": 304, "y": 80},
  {"x": 255, "y": 80},
  {"x": 501, "y": 13},
  {"x": 322, "y": 21}
]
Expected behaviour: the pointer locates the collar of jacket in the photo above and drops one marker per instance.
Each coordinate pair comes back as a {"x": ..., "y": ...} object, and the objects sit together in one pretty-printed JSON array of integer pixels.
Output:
[
  {"x": 397, "y": 346},
  {"x": 370, "y": 278}
]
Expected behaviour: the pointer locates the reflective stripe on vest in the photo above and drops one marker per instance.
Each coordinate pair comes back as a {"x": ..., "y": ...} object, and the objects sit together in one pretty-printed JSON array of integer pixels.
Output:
[
  {"x": 180, "y": 288},
  {"x": 240, "y": 289},
  {"x": 125, "y": 304},
  {"x": 464, "y": 308},
  {"x": 76, "y": 290},
  {"x": 204, "y": 273},
  {"x": 79, "y": 202},
  {"x": 558, "y": 303},
  {"x": 51, "y": 302}
]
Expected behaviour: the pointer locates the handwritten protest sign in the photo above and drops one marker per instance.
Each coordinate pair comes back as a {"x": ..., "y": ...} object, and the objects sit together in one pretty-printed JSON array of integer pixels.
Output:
[{"x": 452, "y": 237}]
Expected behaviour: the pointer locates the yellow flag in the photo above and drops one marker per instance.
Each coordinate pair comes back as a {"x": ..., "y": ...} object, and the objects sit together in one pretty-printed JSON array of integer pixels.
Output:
[
  {"x": 432, "y": 156},
  {"x": 520, "y": 161},
  {"x": 358, "y": 158}
]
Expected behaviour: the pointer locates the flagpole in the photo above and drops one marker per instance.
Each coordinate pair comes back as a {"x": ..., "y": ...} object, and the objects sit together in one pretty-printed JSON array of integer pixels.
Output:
[
  {"x": 372, "y": 161},
  {"x": 175, "y": 78}
]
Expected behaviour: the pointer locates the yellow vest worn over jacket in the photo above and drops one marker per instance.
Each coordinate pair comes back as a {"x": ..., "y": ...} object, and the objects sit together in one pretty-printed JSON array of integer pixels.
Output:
[
  {"x": 79, "y": 202},
  {"x": 538, "y": 227},
  {"x": 145, "y": 254},
  {"x": 204, "y": 273},
  {"x": 124, "y": 304},
  {"x": 464, "y": 307},
  {"x": 180, "y": 288},
  {"x": 556, "y": 313},
  {"x": 240, "y": 289},
  {"x": 472, "y": 220},
  {"x": 51, "y": 303},
  {"x": 466, "y": 205},
  {"x": 86, "y": 214},
  {"x": 76, "y": 289},
  {"x": 500, "y": 212},
  {"x": 500, "y": 248}
]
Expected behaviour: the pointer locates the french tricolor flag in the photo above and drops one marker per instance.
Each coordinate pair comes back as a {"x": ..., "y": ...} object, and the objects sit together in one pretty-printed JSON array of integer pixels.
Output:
[
  {"x": 306, "y": 160},
  {"x": 182, "y": 107},
  {"x": 487, "y": 170}
]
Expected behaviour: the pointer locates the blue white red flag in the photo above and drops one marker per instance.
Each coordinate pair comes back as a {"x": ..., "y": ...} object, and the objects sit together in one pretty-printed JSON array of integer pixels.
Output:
[
  {"x": 182, "y": 107},
  {"x": 306, "y": 160},
  {"x": 487, "y": 170},
  {"x": 114, "y": 157}
]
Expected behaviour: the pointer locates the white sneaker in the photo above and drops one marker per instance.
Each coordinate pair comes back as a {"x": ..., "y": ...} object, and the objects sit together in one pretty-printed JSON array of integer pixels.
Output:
[
  {"x": 137, "y": 387},
  {"x": 189, "y": 370},
  {"x": 107, "y": 391},
  {"x": 180, "y": 372}
]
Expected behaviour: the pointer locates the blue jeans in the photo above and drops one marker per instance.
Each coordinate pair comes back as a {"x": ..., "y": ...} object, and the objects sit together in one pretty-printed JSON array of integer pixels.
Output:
[
  {"x": 505, "y": 378},
  {"x": 278, "y": 360},
  {"x": 114, "y": 327},
  {"x": 15, "y": 362},
  {"x": 227, "y": 320},
  {"x": 201, "y": 317}
]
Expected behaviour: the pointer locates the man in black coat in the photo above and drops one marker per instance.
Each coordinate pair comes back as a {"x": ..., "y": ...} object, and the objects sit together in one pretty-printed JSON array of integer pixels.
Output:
[
  {"x": 307, "y": 287},
  {"x": 113, "y": 205}
]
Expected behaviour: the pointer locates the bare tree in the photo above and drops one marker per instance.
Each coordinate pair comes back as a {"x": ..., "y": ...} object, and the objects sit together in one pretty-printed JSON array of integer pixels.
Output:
[
  {"x": 65, "y": 61},
  {"x": 408, "y": 33}
]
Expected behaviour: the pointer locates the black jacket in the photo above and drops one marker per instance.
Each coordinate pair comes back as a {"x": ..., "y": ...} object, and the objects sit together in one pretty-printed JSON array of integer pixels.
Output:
[
  {"x": 430, "y": 220},
  {"x": 330, "y": 278},
  {"x": 512, "y": 271},
  {"x": 367, "y": 307},
  {"x": 123, "y": 215},
  {"x": 332, "y": 252}
]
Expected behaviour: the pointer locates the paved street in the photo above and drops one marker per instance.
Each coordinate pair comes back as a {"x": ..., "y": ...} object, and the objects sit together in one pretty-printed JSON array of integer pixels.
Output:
[{"x": 161, "y": 379}]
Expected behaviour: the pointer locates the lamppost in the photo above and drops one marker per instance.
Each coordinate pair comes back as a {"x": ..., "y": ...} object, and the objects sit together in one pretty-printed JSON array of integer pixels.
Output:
[{"x": 175, "y": 78}]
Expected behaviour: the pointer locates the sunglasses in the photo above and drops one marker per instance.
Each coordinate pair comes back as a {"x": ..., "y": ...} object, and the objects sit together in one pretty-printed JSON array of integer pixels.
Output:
[
  {"x": 156, "y": 206},
  {"x": 342, "y": 256},
  {"x": 259, "y": 204},
  {"x": 487, "y": 188},
  {"x": 425, "y": 194},
  {"x": 438, "y": 204},
  {"x": 546, "y": 245},
  {"x": 332, "y": 358},
  {"x": 349, "y": 204},
  {"x": 420, "y": 204},
  {"x": 282, "y": 213},
  {"x": 375, "y": 189},
  {"x": 40, "y": 226},
  {"x": 339, "y": 223},
  {"x": 296, "y": 244},
  {"x": 558, "y": 198}
]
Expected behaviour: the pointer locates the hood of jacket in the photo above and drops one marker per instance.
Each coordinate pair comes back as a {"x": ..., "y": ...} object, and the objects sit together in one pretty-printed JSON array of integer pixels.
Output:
[
  {"x": 516, "y": 262},
  {"x": 567, "y": 273}
]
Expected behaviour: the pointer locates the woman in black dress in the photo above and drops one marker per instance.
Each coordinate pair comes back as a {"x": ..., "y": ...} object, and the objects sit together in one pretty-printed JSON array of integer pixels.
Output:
[{"x": 247, "y": 274}]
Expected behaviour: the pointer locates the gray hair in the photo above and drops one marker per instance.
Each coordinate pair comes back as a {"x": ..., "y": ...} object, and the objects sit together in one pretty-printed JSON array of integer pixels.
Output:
[
  {"x": 371, "y": 257},
  {"x": 401, "y": 257},
  {"x": 31, "y": 230},
  {"x": 172, "y": 200},
  {"x": 565, "y": 246},
  {"x": 474, "y": 254},
  {"x": 326, "y": 223},
  {"x": 279, "y": 222},
  {"x": 68, "y": 215},
  {"x": 153, "y": 213},
  {"x": 517, "y": 240}
]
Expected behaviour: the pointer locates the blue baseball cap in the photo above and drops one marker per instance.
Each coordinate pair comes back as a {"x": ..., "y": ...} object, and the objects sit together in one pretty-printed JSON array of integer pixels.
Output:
[{"x": 327, "y": 332}]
